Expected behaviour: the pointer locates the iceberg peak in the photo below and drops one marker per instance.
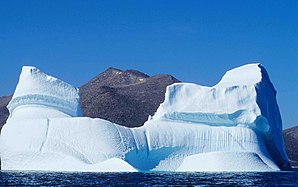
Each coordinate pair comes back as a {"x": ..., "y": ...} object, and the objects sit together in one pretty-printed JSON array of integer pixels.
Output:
[
  {"x": 244, "y": 75},
  {"x": 249, "y": 74},
  {"x": 42, "y": 90}
]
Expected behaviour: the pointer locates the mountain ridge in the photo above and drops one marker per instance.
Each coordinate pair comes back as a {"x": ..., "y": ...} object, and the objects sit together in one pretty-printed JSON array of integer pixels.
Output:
[{"x": 130, "y": 96}]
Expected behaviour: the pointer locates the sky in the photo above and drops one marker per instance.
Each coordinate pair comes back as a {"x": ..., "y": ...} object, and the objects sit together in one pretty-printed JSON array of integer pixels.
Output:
[{"x": 195, "y": 41}]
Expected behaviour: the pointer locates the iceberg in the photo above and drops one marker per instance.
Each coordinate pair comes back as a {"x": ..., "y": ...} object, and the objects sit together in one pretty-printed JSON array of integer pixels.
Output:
[{"x": 232, "y": 126}]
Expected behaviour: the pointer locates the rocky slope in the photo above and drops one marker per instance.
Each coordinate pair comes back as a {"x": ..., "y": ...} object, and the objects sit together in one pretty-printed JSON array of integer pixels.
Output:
[
  {"x": 4, "y": 100},
  {"x": 291, "y": 144},
  {"x": 124, "y": 97}
]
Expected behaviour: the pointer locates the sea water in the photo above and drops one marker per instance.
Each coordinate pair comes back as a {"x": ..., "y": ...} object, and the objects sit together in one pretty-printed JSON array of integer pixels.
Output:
[{"x": 25, "y": 178}]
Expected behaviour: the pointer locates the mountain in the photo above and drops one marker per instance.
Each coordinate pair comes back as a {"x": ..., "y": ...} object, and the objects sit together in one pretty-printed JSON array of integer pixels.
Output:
[
  {"x": 4, "y": 113},
  {"x": 291, "y": 144},
  {"x": 124, "y": 97}
]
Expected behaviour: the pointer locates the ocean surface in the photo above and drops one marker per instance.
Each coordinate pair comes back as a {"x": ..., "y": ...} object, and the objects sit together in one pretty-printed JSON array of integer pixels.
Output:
[{"x": 9, "y": 178}]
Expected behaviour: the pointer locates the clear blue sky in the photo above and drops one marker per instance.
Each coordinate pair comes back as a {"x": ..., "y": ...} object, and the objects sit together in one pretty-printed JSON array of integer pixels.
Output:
[{"x": 196, "y": 41}]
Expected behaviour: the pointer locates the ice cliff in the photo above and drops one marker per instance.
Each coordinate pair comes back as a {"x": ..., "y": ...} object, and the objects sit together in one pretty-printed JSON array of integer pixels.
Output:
[{"x": 232, "y": 126}]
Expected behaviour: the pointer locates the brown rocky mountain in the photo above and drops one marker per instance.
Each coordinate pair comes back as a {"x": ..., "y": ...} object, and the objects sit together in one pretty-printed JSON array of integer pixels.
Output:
[
  {"x": 291, "y": 144},
  {"x": 124, "y": 97}
]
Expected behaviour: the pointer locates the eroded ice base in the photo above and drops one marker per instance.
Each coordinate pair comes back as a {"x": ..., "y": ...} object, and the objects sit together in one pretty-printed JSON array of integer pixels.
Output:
[{"x": 85, "y": 144}]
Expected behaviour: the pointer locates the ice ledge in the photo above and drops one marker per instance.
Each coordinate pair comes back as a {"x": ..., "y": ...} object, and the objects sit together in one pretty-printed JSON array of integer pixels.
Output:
[{"x": 49, "y": 101}]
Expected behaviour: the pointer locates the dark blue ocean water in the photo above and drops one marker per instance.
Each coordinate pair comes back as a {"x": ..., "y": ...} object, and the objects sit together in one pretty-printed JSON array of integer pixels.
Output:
[{"x": 148, "y": 179}]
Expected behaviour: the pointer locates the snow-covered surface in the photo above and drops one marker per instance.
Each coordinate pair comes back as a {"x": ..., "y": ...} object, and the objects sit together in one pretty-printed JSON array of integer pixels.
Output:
[
  {"x": 233, "y": 126},
  {"x": 249, "y": 74}
]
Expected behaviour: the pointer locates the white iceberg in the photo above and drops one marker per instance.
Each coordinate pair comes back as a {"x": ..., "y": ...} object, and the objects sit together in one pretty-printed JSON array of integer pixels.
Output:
[{"x": 232, "y": 126}]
